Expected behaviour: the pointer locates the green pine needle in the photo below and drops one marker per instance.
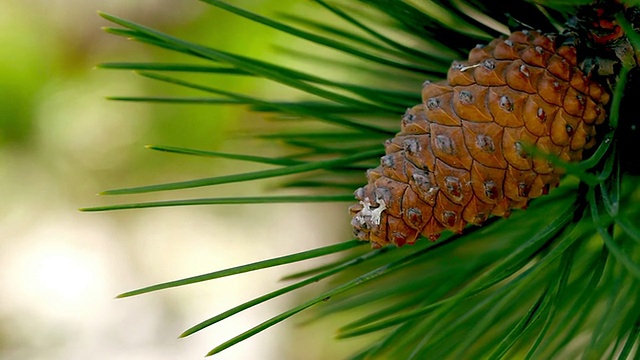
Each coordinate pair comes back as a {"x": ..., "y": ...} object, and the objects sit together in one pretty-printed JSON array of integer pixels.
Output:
[
  {"x": 605, "y": 230},
  {"x": 288, "y": 259},
  {"x": 227, "y": 201},
  {"x": 216, "y": 154},
  {"x": 192, "y": 68},
  {"x": 311, "y": 280},
  {"x": 178, "y": 100},
  {"x": 264, "y": 174},
  {"x": 292, "y": 109},
  {"x": 386, "y": 269},
  {"x": 276, "y": 73},
  {"x": 317, "y": 39}
]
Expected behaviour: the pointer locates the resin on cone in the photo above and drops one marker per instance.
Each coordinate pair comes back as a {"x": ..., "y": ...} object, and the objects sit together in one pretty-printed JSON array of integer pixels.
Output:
[{"x": 460, "y": 155}]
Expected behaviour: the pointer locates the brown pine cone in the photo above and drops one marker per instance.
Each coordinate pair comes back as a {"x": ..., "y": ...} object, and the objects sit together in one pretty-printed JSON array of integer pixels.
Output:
[{"x": 460, "y": 157}]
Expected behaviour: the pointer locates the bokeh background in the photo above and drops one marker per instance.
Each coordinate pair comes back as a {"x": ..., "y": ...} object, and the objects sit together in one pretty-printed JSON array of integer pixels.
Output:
[{"x": 61, "y": 142}]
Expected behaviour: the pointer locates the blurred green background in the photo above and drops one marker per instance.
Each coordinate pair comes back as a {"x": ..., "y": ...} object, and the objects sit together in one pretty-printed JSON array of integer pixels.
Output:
[{"x": 61, "y": 142}]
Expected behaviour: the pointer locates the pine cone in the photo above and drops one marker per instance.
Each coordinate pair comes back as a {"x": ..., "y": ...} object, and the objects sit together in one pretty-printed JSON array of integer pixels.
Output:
[{"x": 460, "y": 155}]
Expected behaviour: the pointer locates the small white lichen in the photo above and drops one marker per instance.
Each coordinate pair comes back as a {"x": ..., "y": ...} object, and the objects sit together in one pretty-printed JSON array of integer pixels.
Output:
[
  {"x": 373, "y": 214},
  {"x": 465, "y": 68}
]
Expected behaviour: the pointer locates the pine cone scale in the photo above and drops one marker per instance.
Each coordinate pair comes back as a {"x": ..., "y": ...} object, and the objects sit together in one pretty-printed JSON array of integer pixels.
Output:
[
  {"x": 506, "y": 105},
  {"x": 484, "y": 142}
]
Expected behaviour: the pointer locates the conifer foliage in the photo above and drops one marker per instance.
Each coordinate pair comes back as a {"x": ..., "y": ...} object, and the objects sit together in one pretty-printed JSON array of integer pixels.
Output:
[{"x": 547, "y": 102}]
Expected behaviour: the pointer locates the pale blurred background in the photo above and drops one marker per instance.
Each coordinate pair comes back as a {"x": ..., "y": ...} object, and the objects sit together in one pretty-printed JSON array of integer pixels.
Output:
[{"x": 61, "y": 142}]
